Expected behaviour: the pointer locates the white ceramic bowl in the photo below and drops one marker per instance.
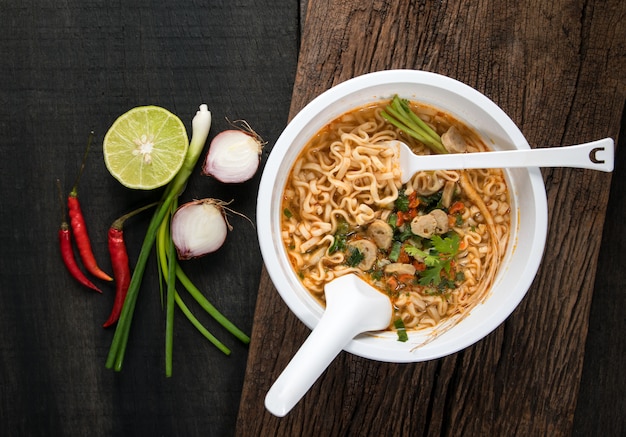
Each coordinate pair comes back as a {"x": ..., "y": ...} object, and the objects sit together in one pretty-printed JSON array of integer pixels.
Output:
[{"x": 529, "y": 207}]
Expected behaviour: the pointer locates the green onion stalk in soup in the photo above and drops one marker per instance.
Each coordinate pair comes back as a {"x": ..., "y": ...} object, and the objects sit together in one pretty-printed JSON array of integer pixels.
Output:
[{"x": 432, "y": 245}]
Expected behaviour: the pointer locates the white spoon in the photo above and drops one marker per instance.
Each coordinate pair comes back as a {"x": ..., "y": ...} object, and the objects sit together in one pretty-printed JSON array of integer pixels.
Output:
[
  {"x": 352, "y": 307},
  {"x": 597, "y": 155}
]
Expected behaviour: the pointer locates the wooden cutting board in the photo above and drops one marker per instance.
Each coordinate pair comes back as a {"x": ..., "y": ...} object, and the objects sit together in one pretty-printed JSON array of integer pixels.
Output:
[{"x": 557, "y": 68}]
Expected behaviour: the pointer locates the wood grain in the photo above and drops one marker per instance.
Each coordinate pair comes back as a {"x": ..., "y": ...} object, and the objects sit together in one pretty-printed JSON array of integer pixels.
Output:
[
  {"x": 557, "y": 68},
  {"x": 69, "y": 67}
]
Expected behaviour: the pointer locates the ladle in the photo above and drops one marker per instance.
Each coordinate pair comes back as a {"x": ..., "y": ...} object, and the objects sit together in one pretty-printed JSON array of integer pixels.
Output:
[
  {"x": 596, "y": 155},
  {"x": 352, "y": 307}
]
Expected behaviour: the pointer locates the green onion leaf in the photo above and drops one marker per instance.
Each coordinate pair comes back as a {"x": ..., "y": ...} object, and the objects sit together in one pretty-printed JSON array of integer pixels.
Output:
[
  {"x": 394, "y": 254},
  {"x": 399, "y": 114},
  {"x": 401, "y": 330},
  {"x": 354, "y": 257}
]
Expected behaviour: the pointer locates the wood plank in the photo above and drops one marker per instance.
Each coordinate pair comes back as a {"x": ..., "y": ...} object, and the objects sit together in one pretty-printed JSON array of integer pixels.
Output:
[
  {"x": 601, "y": 406},
  {"x": 557, "y": 69}
]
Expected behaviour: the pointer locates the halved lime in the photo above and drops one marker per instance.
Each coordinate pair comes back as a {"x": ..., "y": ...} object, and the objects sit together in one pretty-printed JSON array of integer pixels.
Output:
[{"x": 145, "y": 147}]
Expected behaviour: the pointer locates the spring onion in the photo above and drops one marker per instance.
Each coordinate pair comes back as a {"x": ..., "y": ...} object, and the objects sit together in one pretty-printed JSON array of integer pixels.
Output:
[
  {"x": 201, "y": 125},
  {"x": 399, "y": 114}
]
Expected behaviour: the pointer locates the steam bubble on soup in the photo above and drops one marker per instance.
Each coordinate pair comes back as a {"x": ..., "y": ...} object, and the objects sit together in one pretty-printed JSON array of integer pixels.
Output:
[{"x": 432, "y": 245}]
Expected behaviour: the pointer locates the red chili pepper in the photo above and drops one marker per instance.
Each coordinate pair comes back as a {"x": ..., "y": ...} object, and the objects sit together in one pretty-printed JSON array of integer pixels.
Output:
[
  {"x": 67, "y": 253},
  {"x": 79, "y": 226},
  {"x": 119, "y": 261},
  {"x": 457, "y": 206},
  {"x": 82, "y": 239},
  {"x": 121, "y": 271},
  {"x": 414, "y": 201},
  {"x": 68, "y": 257}
]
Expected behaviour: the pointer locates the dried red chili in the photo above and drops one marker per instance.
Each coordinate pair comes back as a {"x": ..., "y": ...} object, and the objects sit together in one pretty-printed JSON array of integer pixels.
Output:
[{"x": 79, "y": 227}]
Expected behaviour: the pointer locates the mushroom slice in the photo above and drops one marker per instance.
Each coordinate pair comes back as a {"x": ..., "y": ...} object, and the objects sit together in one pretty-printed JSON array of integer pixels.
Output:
[
  {"x": 381, "y": 233},
  {"x": 454, "y": 141},
  {"x": 400, "y": 268},
  {"x": 368, "y": 249}
]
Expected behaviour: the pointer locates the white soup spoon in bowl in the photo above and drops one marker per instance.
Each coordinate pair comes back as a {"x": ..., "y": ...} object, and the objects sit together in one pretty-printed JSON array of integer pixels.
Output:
[
  {"x": 596, "y": 155},
  {"x": 352, "y": 307}
]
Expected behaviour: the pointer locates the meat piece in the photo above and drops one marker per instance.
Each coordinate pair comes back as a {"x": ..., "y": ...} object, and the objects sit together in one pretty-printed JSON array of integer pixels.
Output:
[
  {"x": 435, "y": 222},
  {"x": 453, "y": 141},
  {"x": 442, "y": 221},
  {"x": 368, "y": 249},
  {"x": 424, "y": 225},
  {"x": 381, "y": 233},
  {"x": 400, "y": 268}
]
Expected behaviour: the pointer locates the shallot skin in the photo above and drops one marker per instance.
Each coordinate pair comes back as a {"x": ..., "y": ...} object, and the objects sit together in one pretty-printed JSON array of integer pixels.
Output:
[
  {"x": 233, "y": 157},
  {"x": 198, "y": 228}
]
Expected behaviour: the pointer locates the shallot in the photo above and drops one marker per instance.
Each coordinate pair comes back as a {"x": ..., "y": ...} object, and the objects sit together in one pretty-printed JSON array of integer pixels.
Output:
[
  {"x": 199, "y": 227},
  {"x": 234, "y": 155}
]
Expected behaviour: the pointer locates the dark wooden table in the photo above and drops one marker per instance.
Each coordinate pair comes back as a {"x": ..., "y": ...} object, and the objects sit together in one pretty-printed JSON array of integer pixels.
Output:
[{"x": 555, "y": 367}]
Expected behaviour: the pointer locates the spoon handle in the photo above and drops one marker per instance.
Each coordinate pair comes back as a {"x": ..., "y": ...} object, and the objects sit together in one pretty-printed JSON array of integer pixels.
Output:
[
  {"x": 323, "y": 344},
  {"x": 352, "y": 307},
  {"x": 596, "y": 155}
]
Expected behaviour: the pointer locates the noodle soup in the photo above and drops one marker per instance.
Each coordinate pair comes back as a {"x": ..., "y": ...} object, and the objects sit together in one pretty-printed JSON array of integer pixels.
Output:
[{"x": 432, "y": 245}]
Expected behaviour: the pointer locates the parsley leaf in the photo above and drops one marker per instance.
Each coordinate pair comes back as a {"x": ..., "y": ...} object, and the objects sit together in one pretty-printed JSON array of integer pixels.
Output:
[
  {"x": 414, "y": 251},
  {"x": 448, "y": 247},
  {"x": 438, "y": 258}
]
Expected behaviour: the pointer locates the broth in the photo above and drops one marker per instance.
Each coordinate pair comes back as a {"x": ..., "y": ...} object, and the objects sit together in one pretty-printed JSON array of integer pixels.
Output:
[{"x": 432, "y": 245}]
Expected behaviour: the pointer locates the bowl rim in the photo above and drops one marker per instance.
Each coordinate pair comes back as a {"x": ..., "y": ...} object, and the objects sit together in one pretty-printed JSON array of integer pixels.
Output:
[{"x": 305, "y": 311}]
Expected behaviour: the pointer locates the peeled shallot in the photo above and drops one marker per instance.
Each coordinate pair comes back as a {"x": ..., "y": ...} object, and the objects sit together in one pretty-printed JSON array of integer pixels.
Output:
[
  {"x": 234, "y": 155},
  {"x": 199, "y": 227}
]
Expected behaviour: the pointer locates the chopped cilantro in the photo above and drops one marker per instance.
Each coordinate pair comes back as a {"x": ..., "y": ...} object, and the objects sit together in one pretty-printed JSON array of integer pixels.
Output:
[
  {"x": 376, "y": 275},
  {"x": 448, "y": 246},
  {"x": 413, "y": 251},
  {"x": 403, "y": 233},
  {"x": 438, "y": 258},
  {"x": 354, "y": 257},
  {"x": 339, "y": 244},
  {"x": 401, "y": 330},
  {"x": 341, "y": 235},
  {"x": 432, "y": 275},
  {"x": 458, "y": 219},
  {"x": 431, "y": 202},
  {"x": 445, "y": 284},
  {"x": 402, "y": 202}
]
